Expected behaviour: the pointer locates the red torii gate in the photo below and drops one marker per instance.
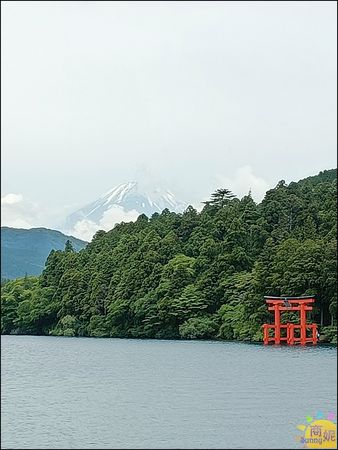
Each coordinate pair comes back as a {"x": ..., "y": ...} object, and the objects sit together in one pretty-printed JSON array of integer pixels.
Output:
[{"x": 279, "y": 304}]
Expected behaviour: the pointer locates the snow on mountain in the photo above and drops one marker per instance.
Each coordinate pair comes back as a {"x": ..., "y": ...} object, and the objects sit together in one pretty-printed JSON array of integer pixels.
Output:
[{"x": 125, "y": 200}]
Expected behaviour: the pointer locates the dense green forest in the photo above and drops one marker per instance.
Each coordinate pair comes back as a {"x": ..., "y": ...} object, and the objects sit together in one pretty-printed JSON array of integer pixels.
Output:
[{"x": 191, "y": 275}]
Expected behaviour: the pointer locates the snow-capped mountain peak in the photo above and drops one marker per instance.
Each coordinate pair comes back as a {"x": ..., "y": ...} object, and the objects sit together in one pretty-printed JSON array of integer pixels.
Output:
[
  {"x": 127, "y": 197},
  {"x": 117, "y": 194}
]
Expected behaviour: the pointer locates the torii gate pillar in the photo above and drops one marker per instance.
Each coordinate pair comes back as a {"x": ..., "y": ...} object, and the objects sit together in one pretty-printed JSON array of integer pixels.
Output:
[{"x": 277, "y": 324}]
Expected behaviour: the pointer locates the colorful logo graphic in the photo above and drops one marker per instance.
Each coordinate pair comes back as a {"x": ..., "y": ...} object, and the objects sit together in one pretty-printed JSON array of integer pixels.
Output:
[{"x": 319, "y": 432}]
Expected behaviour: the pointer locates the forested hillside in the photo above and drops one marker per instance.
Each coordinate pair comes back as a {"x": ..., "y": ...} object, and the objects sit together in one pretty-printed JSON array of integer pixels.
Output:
[
  {"x": 191, "y": 275},
  {"x": 25, "y": 251}
]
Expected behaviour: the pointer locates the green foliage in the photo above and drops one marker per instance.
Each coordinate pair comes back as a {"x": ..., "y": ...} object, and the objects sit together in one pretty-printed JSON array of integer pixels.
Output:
[
  {"x": 199, "y": 328},
  {"x": 69, "y": 247},
  {"x": 191, "y": 275},
  {"x": 220, "y": 198},
  {"x": 329, "y": 334},
  {"x": 65, "y": 327}
]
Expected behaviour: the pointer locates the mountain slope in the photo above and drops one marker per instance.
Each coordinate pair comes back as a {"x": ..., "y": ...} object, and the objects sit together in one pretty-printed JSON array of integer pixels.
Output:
[
  {"x": 25, "y": 251},
  {"x": 130, "y": 197},
  {"x": 325, "y": 176}
]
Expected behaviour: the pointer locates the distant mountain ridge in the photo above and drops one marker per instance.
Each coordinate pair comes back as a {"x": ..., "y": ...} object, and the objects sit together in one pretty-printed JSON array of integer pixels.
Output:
[
  {"x": 129, "y": 197},
  {"x": 25, "y": 251}
]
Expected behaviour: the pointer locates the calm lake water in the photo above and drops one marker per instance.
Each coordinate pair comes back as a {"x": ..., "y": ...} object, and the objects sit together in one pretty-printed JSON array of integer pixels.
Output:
[{"x": 112, "y": 393}]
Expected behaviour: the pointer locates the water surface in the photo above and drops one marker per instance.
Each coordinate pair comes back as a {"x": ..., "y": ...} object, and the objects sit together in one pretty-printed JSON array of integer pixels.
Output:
[{"x": 118, "y": 393}]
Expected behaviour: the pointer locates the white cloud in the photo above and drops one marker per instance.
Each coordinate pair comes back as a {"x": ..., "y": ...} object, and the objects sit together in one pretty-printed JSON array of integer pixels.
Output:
[
  {"x": 243, "y": 181},
  {"x": 11, "y": 199},
  {"x": 85, "y": 229},
  {"x": 116, "y": 214},
  {"x": 18, "y": 212}
]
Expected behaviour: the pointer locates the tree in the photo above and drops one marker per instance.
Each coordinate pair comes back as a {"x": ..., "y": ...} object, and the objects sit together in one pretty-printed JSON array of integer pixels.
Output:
[
  {"x": 198, "y": 328},
  {"x": 69, "y": 247},
  {"x": 220, "y": 198}
]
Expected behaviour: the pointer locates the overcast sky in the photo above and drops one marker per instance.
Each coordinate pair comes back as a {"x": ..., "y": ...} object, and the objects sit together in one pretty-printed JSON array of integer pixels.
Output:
[{"x": 195, "y": 96}]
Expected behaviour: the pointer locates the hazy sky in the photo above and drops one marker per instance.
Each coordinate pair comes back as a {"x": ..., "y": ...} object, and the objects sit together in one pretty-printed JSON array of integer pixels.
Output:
[{"x": 193, "y": 95}]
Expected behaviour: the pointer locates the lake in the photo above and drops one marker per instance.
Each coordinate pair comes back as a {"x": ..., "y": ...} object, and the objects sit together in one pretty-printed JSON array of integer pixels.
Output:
[{"x": 119, "y": 393}]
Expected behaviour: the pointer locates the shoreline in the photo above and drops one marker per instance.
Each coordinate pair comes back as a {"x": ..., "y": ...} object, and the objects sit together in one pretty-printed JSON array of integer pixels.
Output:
[{"x": 223, "y": 341}]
